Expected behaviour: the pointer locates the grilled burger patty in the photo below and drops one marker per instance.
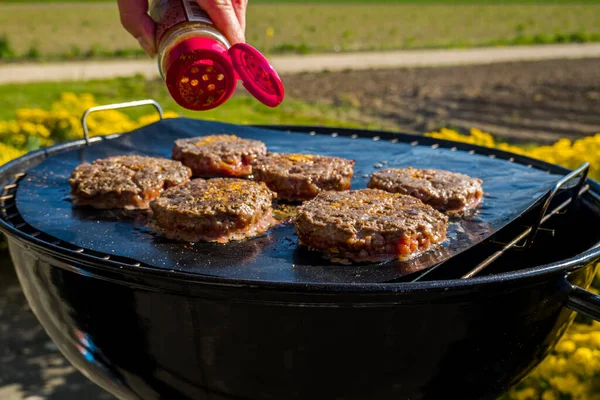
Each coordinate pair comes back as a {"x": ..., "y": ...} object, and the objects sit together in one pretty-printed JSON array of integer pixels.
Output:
[
  {"x": 298, "y": 177},
  {"x": 369, "y": 225},
  {"x": 443, "y": 190},
  {"x": 214, "y": 210},
  {"x": 218, "y": 155},
  {"x": 129, "y": 182}
]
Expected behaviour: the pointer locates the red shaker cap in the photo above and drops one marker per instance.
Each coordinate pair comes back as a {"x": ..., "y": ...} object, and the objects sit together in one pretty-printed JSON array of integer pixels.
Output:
[
  {"x": 199, "y": 74},
  {"x": 257, "y": 75}
]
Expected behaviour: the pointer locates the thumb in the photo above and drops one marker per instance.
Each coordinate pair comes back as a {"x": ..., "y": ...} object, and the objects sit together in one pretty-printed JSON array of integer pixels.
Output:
[{"x": 135, "y": 19}]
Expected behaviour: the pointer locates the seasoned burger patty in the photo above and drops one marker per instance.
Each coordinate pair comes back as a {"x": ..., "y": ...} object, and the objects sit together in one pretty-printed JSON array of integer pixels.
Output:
[
  {"x": 298, "y": 177},
  {"x": 443, "y": 190},
  {"x": 218, "y": 155},
  {"x": 214, "y": 210},
  {"x": 129, "y": 182},
  {"x": 369, "y": 225}
]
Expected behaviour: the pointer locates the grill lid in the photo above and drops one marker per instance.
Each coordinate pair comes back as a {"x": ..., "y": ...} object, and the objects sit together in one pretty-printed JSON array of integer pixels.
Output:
[{"x": 43, "y": 200}]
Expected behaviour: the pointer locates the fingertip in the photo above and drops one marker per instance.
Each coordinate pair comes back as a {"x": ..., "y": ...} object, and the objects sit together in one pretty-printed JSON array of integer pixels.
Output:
[
  {"x": 147, "y": 44},
  {"x": 234, "y": 36},
  {"x": 238, "y": 38}
]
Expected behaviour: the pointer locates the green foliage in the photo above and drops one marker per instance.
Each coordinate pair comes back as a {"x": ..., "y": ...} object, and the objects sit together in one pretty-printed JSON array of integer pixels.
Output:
[
  {"x": 33, "y": 53},
  {"x": 6, "y": 51}
]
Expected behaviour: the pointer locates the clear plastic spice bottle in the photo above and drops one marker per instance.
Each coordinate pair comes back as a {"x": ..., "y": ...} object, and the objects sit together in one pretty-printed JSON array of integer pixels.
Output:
[{"x": 198, "y": 64}]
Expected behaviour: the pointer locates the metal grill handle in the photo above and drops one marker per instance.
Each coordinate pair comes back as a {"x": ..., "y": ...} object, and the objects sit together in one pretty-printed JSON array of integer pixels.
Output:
[
  {"x": 529, "y": 233},
  {"x": 582, "y": 172},
  {"x": 583, "y": 302},
  {"x": 116, "y": 106}
]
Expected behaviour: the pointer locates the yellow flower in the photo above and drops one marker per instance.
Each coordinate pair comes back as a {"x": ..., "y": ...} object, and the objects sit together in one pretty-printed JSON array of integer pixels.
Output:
[
  {"x": 148, "y": 119},
  {"x": 549, "y": 395},
  {"x": 565, "y": 383},
  {"x": 566, "y": 346},
  {"x": 594, "y": 340},
  {"x": 8, "y": 153},
  {"x": 525, "y": 394},
  {"x": 270, "y": 31}
]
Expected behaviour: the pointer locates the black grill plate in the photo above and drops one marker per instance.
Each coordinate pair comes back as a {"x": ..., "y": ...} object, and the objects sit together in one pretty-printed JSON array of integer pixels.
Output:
[{"x": 44, "y": 202}]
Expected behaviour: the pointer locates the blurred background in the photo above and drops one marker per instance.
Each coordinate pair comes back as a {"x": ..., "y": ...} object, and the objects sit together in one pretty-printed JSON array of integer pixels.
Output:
[{"x": 520, "y": 75}]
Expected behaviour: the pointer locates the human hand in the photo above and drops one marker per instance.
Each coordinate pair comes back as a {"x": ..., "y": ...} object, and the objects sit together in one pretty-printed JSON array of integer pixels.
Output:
[{"x": 229, "y": 17}]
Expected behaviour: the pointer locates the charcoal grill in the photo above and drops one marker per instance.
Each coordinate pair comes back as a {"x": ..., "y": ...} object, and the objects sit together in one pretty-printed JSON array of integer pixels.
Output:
[{"x": 145, "y": 317}]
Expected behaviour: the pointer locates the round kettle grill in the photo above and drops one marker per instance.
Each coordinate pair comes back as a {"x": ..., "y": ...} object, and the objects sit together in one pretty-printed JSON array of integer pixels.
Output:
[{"x": 149, "y": 318}]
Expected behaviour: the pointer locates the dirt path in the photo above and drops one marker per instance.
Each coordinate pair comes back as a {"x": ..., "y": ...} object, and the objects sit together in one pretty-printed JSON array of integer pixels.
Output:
[
  {"x": 16, "y": 73},
  {"x": 539, "y": 101}
]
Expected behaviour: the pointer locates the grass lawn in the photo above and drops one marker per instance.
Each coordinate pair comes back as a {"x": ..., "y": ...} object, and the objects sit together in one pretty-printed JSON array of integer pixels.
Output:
[
  {"x": 241, "y": 108},
  {"x": 92, "y": 29}
]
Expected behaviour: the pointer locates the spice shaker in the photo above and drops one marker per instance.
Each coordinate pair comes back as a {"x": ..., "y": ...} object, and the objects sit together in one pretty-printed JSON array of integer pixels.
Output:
[{"x": 199, "y": 66}]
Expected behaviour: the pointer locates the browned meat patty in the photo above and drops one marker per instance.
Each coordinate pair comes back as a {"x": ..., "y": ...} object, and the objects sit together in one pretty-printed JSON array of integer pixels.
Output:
[
  {"x": 129, "y": 182},
  {"x": 218, "y": 155},
  {"x": 298, "y": 177},
  {"x": 369, "y": 225},
  {"x": 214, "y": 210},
  {"x": 443, "y": 190}
]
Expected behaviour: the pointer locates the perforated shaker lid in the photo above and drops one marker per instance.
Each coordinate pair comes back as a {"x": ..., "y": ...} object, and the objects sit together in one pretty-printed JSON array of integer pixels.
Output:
[{"x": 257, "y": 74}]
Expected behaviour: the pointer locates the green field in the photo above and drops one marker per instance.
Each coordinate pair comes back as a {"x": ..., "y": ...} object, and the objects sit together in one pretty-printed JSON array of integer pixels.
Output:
[
  {"x": 241, "y": 108},
  {"x": 93, "y": 29}
]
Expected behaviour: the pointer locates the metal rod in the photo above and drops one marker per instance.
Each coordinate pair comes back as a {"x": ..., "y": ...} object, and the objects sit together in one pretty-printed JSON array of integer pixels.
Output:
[
  {"x": 116, "y": 107},
  {"x": 583, "y": 171},
  {"x": 523, "y": 235}
]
